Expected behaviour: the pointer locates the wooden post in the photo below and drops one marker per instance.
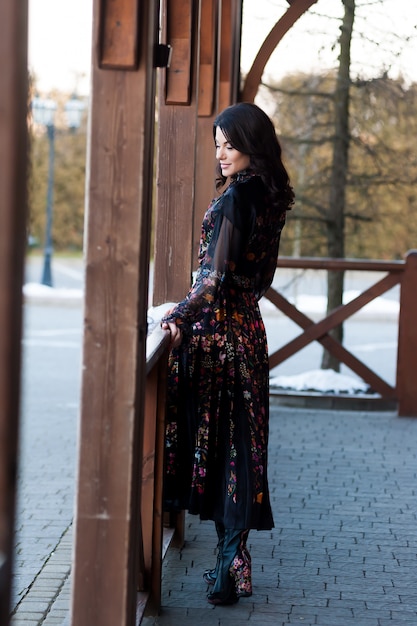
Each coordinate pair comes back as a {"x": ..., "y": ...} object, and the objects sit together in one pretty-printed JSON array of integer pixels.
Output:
[
  {"x": 205, "y": 164},
  {"x": 13, "y": 168},
  {"x": 152, "y": 478},
  {"x": 407, "y": 340},
  {"x": 219, "y": 78},
  {"x": 107, "y": 521},
  {"x": 229, "y": 52},
  {"x": 173, "y": 259}
]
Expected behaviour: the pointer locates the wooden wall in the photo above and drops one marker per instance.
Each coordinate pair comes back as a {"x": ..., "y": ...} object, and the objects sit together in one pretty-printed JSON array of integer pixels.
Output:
[{"x": 191, "y": 92}]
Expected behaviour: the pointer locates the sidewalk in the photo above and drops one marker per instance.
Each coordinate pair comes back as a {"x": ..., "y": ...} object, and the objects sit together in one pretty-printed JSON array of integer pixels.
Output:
[{"x": 344, "y": 547}]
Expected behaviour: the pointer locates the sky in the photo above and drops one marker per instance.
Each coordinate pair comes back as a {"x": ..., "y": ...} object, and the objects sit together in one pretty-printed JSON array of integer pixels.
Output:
[
  {"x": 60, "y": 39},
  {"x": 60, "y": 44}
]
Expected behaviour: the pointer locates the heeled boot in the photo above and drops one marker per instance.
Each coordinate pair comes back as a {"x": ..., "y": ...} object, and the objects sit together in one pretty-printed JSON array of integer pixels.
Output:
[
  {"x": 224, "y": 591},
  {"x": 210, "y": 575},
  {"x": 241, "y": 568}
]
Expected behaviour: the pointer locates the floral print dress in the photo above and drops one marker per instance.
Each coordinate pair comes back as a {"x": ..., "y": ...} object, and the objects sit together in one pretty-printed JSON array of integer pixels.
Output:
[{"x": 218, "y": 379}]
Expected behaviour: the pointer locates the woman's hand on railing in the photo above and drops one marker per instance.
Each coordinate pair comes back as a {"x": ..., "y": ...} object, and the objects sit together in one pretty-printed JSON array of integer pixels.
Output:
[{"x": 175, "y": 332}]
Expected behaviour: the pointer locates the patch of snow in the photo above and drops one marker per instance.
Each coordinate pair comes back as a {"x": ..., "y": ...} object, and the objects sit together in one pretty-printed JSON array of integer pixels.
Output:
[
  {"x": 324, "y": 381},
  {"x": 380, "y": 307},
  {"x": 44, "y": 294}
]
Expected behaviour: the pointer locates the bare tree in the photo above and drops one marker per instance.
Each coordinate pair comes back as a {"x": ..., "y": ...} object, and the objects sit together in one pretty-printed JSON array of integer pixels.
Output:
[{"x": 338, "y": 180}]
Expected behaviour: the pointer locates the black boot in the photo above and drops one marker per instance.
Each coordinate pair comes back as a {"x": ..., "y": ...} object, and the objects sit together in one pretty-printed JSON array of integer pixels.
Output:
[
  {"x": 210, "y": 575},
  {"x": 224, "y": 588}
]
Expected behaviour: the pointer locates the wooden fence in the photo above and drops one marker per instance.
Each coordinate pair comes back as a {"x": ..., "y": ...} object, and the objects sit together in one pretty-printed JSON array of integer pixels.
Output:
[
  {"x": 157, "y": 530},
  {"x": 403, "y": 273}
]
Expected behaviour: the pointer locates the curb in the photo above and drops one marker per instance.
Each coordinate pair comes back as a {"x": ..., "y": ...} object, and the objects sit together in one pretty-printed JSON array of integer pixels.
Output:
[
  {"x": 47, "y": 599},
  {"x": 331, "y": 401}
]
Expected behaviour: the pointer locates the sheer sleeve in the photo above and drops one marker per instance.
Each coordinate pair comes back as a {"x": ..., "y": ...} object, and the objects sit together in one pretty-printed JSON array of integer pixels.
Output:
[{"x": 221, "y": 257}]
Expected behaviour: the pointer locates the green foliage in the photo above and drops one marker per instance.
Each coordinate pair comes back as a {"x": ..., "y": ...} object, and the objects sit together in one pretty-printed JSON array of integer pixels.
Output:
[{"x": 382, "y": 171}]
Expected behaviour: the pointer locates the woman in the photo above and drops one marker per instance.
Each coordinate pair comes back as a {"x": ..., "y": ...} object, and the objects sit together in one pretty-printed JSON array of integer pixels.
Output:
[{"x": 218, "y": 387}]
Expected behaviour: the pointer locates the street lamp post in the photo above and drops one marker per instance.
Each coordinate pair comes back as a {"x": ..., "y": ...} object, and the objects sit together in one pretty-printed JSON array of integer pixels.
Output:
[{"x": 44, "y": 114}]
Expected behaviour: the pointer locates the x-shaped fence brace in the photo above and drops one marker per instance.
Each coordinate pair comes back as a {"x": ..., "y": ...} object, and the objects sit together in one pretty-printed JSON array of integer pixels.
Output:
[{"x": 320, "y": 332}]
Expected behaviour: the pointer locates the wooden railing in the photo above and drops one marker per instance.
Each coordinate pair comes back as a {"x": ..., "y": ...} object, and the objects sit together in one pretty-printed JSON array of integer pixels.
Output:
[
  {"x": 403, "y": 273},
  {"x": 156, "y": 533}
]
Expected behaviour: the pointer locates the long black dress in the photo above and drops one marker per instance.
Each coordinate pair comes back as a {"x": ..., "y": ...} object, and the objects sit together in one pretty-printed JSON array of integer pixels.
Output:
[{"x": 218, "y": 382}]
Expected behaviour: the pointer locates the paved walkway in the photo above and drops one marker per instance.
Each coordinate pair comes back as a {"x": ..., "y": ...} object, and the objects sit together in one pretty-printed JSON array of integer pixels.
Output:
[{"x": 343, "y": 551}]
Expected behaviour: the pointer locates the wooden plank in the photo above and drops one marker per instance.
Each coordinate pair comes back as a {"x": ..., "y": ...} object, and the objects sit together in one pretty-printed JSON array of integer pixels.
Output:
[
  {"x": 208, "y": 53},
  {"x": 156, "y": 344},
  {"x": 318, "y": 263},
  {"x": 174, "y": 259},
  {"x": 225, "y": 95},
  {"x": 407, "y": 340},
  {"x": 346, "y": 357},
  {"x": 180, "y": 21},
  {"x": 118, "y": 45},
  {"x": 205, "y": 163},
  {"x": 229, "y": 53},
  {"x": 112, "y": 400},
  {"x": 148, "y": 470},
  {"x": 339, "y": 315},
  {"x": 13, "y": 205},
  {"x": 158, "y": 509}
]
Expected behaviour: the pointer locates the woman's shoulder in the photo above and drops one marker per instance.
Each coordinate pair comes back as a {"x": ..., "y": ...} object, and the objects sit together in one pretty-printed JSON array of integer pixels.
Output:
[
  {"x": 247, "y": 188},
  {"x": 242, "y": 201}
]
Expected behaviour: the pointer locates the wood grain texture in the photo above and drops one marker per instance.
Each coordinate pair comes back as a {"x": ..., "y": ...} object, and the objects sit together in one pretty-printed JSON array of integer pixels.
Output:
[
  {"x": 119, "y": 21},
  {"x": 207, "y": 60},
  {"x": 120, "y": 167},
  {"x": 180, "y": 19},
  {"x": 175, "y": 188},
  {"x": 407, "y": 339}
]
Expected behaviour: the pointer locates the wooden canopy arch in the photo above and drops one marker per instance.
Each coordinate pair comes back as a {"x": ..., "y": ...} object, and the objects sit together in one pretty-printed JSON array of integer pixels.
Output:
[{"x": 128, "y": 94}]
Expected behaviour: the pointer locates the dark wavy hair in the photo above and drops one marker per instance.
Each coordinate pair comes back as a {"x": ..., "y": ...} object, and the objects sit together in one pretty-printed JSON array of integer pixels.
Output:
[{"x": 249, "y": 129}]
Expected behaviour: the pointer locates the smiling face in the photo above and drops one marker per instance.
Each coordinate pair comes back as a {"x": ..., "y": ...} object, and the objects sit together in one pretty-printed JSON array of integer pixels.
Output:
[{"x": 231, "y": 160}]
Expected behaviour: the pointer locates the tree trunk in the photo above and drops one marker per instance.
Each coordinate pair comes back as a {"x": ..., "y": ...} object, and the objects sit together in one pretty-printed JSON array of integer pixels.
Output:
[{"x": 336, "y": 220}]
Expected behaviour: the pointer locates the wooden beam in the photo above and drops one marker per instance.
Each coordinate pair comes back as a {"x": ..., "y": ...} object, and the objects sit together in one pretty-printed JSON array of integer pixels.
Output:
[
  {"x": 174, "y": 258},
  {"x": 407, "y": 340},
  {"x": 180, "y": 19},
  {"x": 253, "y": 79},
  {"x": 207, "y": 108},
  {"x": 208, "y": 54},
  {"x": 120, "y": 171},
  {"x": 333, "y": 346},
  {"x": 118, "y": 45},
  {"x": 323, "y": 263},
  {"x": 335, "y": 317},
  {"x": 229, "y": 52},
  {"x": 13, "y": 201}
]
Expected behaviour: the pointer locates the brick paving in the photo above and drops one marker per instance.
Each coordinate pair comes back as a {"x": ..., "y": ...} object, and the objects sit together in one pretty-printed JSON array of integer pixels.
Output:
[
  {"x": 344, "y": 547},
  {"x": 343, "y": 551}
]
